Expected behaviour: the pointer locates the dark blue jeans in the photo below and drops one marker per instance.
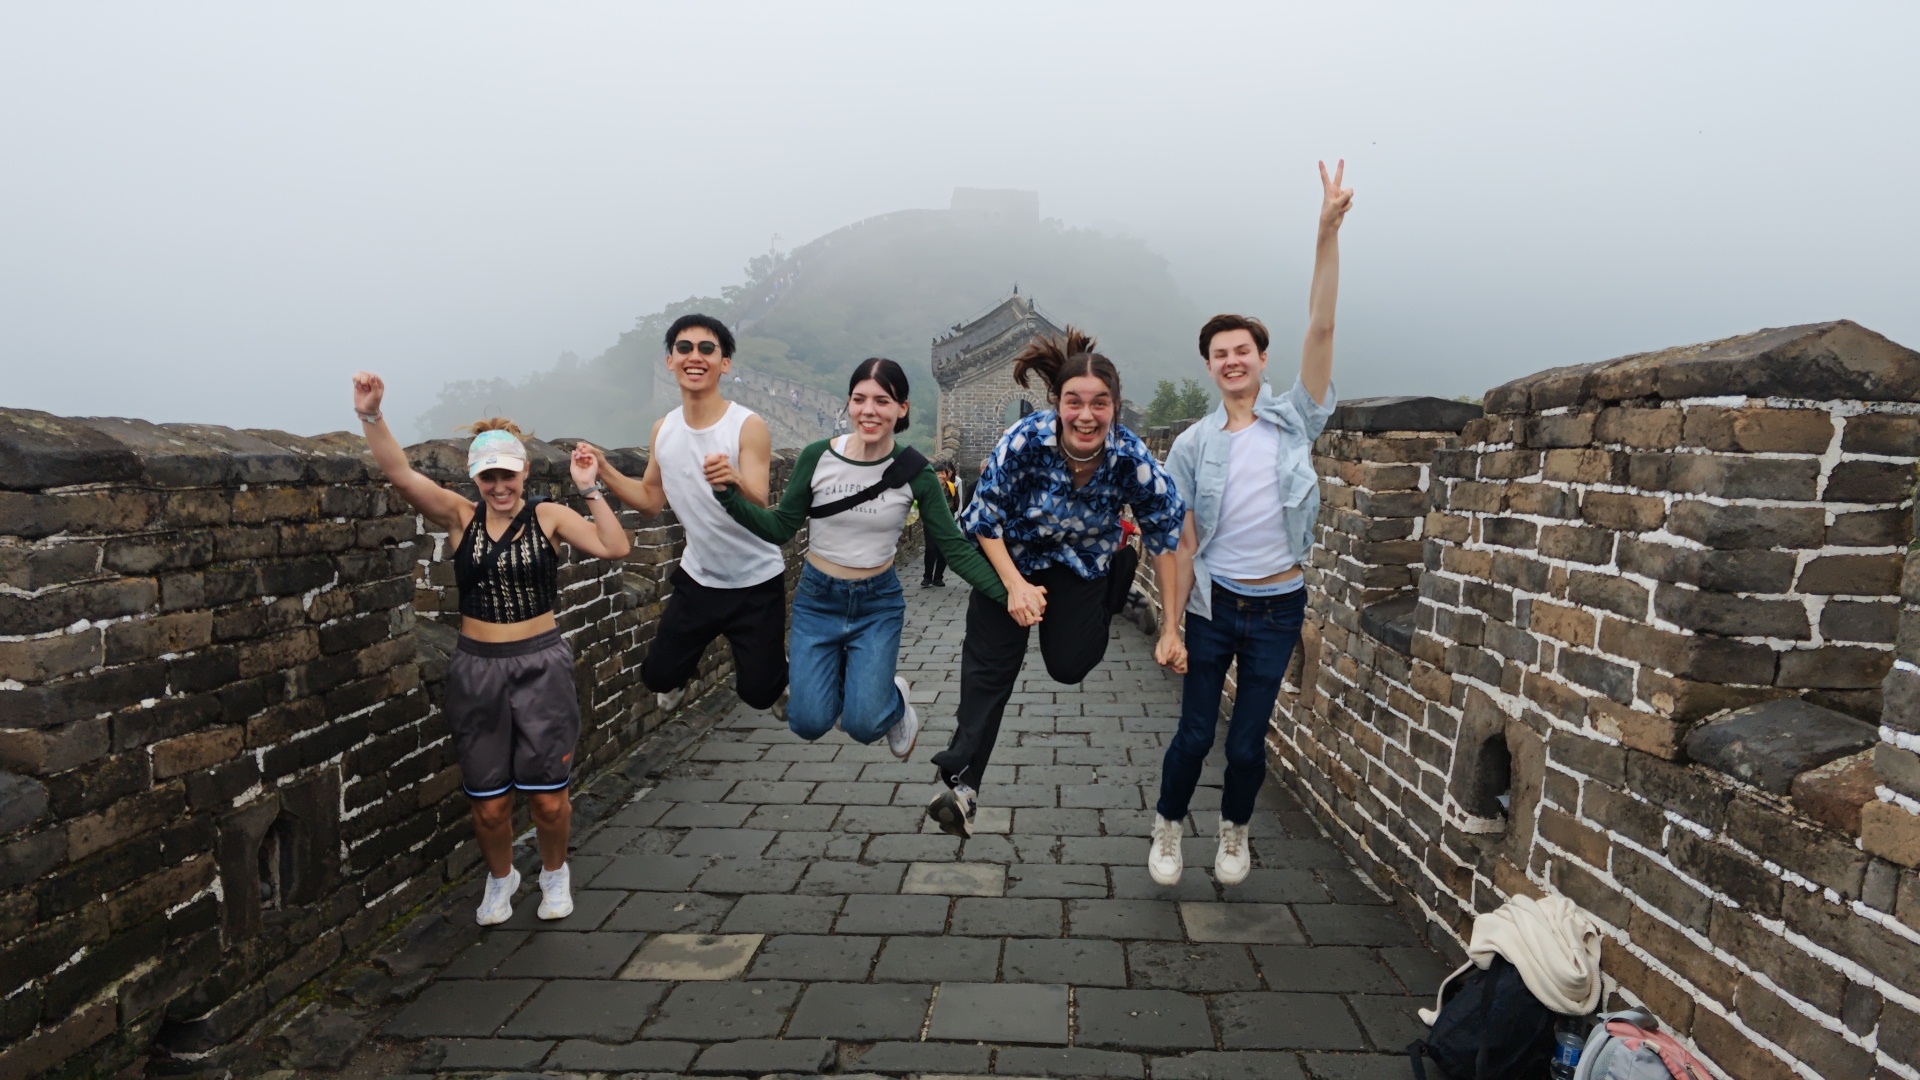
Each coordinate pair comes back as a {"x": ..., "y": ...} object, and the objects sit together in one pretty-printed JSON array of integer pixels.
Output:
[{"x": 1261, "y": 632}]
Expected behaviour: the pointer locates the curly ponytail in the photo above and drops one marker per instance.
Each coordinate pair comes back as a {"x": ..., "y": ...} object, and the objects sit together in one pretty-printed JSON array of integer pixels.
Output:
[{"x": 1058, "y": 359}]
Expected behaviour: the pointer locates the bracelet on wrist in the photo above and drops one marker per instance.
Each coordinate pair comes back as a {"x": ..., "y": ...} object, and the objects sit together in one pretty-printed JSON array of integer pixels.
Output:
[
  {"x": 597, "y": 491},
  {"x": 370, "y": 417}
]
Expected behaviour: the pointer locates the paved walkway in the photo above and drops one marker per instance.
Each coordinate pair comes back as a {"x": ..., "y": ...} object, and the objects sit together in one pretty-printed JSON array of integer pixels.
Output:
[{"x": 778, "y": 907}]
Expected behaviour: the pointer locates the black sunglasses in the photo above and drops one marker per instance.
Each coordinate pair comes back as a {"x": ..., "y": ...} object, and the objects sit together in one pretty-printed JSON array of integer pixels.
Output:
[{"x": 683, "y": 347}]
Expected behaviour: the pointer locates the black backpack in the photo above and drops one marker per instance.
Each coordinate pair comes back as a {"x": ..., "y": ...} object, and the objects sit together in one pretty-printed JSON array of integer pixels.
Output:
[{"x": 1490, "y": 1028}]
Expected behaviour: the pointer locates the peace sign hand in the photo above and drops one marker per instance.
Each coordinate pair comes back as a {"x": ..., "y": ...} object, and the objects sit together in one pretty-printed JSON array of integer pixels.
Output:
[{"x": 1335, "y": 200}]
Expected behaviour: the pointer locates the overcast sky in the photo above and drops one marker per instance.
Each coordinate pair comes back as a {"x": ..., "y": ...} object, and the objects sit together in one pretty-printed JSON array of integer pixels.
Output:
[{"x": 217, "y": 212}]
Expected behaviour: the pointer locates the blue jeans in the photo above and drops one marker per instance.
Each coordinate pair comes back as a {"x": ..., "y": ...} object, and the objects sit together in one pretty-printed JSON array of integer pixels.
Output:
[
  {"x": 1262, "y": 633},
  {"x": 842, "y": 650}
]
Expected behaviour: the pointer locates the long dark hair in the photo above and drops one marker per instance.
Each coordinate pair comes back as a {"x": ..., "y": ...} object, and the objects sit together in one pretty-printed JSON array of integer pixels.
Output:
[
  {"x": 1057, "y": 359},
  {"x": 891, "y": 379}
]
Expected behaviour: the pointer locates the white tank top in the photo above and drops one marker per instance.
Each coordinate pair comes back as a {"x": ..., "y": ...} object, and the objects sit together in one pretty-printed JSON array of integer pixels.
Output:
[
  {"x": 1250, "y": 541},
  {"x": 720, "y": 552}
]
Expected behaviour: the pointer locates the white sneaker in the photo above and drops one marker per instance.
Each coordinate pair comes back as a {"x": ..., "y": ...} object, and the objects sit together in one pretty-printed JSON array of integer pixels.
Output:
[
  {"x": 670, "y": 700},
  {"x": 1163, "y": 857},
  {"x": 556, "y": 893},
  {"x": 906, "y": 730},
  {"x": 1232, "y": 861},
  {"x": 496, "y": 904},
  {"x": 953, "y": 809}
]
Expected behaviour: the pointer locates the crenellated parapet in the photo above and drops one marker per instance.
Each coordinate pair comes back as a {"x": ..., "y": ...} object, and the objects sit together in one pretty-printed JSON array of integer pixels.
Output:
[
  {"x": 1644, "y": 635},
  {"x": 223, "y": 767}
]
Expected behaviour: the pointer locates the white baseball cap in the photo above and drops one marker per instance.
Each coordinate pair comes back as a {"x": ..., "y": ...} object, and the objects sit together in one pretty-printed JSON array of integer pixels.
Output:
[{"x": 496, "y": 449}]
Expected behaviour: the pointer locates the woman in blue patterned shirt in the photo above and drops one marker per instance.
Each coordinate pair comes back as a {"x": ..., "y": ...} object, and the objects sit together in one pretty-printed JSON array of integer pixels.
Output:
[{"x": 1047, "y": 516}]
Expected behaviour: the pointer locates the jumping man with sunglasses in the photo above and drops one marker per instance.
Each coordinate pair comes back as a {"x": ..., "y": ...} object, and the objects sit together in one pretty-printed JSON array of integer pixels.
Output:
[{"x": 729, "y": 580}]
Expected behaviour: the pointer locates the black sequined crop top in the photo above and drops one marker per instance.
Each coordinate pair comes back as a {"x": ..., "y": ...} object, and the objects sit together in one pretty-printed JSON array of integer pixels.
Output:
[{"x": 511, "y": 580}]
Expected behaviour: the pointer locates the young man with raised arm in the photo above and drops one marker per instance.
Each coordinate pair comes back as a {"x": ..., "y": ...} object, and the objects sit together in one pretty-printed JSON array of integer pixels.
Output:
[
  {"x": 729, "y": 582},
  {"x": 1246, "y": 474}
]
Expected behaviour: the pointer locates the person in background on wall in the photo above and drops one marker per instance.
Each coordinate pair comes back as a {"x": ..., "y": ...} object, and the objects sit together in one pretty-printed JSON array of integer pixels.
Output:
[
  {"x": 1047, "y": 516},
  {"x": 729, "y": 582},
  {"x": 848, "y": 609},
  {"x": 935, "y": 575},
  {"x": 1246, "y": 473},
  {"x": 510, "y": 697}
]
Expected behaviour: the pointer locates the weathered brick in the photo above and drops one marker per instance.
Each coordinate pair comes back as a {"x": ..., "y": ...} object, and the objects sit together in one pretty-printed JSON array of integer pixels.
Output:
[
  {"x": 1834, "y": 667},
  {"x": 1881, "y": 433},
  {"x": 1851, "y": 620},
  {"x": 1852, "y": 575},
  {"x": 1748, "y": 526},
  {"x": 1870, "y": 482},
  {"x": 39, "y": 659},
  {"x": 1673, "y": 1005},
  {"x": 1584, "y": 466},
  {"x": 147, "y": 638},
  {"x": 1890, "y": 832},
  {"x": 1733, "y": 616},
  {"x": 1791, "y": 431},
  {"x": 1828, "y": 1054},
  {"x": 123, "y": 820},
  {"x": 1607, "y": 592},
  {"x": 46, "y": 751},
  {"x": 1713, "y": 571},
  {"x": 196, "y": 751},
  {"x": 1725, "y": 871},
  {"x": 1654, "y": 429},
  {"x": 62, "y": 607},
  {"x": 1570, "y": 625},
  {"x": 1625, "y": 513}
]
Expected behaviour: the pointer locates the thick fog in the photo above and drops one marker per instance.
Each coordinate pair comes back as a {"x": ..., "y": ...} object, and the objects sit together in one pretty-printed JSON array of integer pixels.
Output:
[{"x": 218, "y": 212}]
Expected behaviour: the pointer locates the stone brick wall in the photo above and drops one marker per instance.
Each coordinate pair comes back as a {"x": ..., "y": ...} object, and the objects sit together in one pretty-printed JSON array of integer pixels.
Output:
[
  {"x": 1656, "y": 614},
  {"x": 222, "y": 762}
]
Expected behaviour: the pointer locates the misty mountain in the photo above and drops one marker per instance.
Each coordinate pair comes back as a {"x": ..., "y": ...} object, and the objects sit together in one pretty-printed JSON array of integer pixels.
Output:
[{"x": 885, "y": 286}]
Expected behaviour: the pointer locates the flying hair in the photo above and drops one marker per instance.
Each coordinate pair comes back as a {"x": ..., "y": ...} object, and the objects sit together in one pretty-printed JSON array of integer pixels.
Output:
[
  {"x": 492, "y": 423},
  {"x": 1058, "y": 359}
]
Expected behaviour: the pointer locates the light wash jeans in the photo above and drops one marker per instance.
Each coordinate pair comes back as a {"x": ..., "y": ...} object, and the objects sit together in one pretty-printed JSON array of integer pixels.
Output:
[{"x": 842, "y": 650}]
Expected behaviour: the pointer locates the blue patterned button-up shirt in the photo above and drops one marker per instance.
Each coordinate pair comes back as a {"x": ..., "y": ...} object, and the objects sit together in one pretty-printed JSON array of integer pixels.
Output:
[{"x": 1027, "y": 499}]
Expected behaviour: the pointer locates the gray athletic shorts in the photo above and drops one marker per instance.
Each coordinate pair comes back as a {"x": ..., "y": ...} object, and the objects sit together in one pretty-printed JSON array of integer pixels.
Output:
[{"x": 514, "y": 713}]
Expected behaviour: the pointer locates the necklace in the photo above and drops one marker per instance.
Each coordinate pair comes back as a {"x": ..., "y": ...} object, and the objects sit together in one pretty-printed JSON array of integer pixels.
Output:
[{"x": 1083, "y": 460}]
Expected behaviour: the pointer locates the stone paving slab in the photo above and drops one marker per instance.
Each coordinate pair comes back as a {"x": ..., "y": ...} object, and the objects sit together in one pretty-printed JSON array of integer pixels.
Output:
[{"x": 775, "y": 907}]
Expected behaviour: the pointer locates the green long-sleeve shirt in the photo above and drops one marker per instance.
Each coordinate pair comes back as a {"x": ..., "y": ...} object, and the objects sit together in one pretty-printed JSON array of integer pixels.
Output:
[{"x": 869, "y": 534}]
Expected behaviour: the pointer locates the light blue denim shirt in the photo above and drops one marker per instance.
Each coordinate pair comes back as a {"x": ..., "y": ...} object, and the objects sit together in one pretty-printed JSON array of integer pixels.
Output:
[{"x": 1198, "y": 465}]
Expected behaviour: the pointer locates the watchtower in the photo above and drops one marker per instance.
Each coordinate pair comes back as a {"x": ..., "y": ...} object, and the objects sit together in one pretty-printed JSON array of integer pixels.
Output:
[{"x": 973, "y": 362}]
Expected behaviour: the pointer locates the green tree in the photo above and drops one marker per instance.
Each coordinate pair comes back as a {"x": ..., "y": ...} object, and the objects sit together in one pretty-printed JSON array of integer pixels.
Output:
[{"x": 1187, "y": 401}]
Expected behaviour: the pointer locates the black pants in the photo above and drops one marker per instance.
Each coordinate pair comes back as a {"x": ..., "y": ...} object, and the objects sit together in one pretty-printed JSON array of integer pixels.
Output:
[
  {"x": 1073, "y": 638},
  {"x": 936, "y": 562},
  {"x": 754, "y": 622}
]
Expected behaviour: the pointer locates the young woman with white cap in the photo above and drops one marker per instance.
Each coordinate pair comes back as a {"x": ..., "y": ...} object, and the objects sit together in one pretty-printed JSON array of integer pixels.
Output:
[{"x": 510, "y": 697}]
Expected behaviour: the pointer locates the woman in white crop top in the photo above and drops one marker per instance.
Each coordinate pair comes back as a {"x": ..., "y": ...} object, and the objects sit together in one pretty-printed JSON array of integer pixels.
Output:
[{"x": 848, "y": 609}]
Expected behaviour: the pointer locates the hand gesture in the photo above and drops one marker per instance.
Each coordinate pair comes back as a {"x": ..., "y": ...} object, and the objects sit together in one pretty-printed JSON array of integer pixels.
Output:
[
  {"x": 1335, "y": 200},
  {"x": 720, "y": 473},
  {"x": 368, "y": 391},
  {"x": 1026, "y": 602},
  {"x": 1170, "y": 652},
  {"x": 585, "y": 466}
]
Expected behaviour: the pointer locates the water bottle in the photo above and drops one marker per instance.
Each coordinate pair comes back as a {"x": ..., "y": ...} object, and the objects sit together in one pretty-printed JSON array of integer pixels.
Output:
[{"x": 1568, "y": 1041}]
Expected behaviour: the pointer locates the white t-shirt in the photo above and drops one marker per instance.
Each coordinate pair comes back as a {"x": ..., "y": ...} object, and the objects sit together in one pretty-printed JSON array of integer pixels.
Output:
[
  {"x": 720, "y": 552},
  {"x": 1251, "y": 540}
]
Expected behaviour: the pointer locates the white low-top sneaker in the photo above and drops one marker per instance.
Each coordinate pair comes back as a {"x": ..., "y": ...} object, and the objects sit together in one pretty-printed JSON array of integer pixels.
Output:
[
  {"x": 556, "y": 893},
  {"x": 496, "y": 904},
  {"x": 906, "y": 730},
  {"x": 1232, "y": 861},
  {"x": 1163, "y": 856}
]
